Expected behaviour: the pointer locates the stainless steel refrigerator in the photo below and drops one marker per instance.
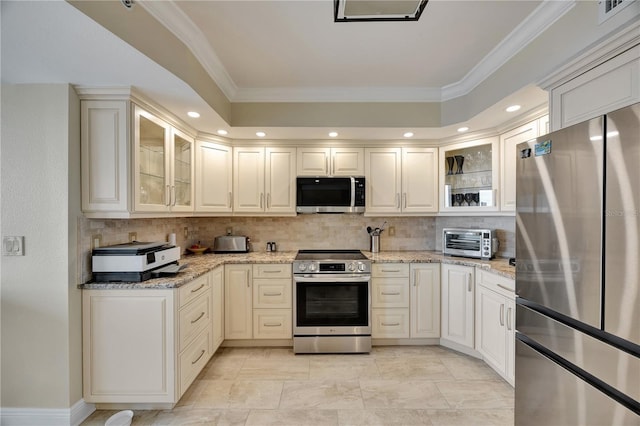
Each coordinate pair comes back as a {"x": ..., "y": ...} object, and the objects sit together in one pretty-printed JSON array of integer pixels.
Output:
[{"x": 578, "y": 274}]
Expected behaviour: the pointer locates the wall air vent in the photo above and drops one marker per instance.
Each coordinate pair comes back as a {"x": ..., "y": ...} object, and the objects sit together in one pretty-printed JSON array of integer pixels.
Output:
[
  {"x": 377, "y": 10},
  {"x": 608, "y": 8}
]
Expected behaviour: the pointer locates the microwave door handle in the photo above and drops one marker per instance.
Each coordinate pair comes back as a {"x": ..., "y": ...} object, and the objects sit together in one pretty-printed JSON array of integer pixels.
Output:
[{"x": 353, "y": 192}]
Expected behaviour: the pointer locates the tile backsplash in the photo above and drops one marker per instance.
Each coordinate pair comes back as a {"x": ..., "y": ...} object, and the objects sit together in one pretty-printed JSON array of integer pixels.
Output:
[{"x": 317, "y": 231}]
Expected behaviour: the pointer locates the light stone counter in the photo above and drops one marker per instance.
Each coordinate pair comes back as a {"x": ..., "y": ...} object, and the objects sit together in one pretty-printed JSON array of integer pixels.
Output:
[{"x": 197, "y": 265}]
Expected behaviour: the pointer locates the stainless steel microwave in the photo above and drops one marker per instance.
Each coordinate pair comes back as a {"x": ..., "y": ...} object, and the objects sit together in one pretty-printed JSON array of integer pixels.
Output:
[
  {"x": 330, "y": 194},
  {"x": 475, "y": 243}
]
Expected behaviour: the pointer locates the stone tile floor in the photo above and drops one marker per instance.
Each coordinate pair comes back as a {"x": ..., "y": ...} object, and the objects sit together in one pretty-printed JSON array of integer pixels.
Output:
[{"x": 393, "y": 385}]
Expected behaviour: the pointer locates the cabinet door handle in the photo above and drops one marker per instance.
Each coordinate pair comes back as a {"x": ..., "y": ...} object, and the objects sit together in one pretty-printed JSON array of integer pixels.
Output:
[
  {"x": 384, "y": 293},
  {"x": 502, "y": 314},
  {"x": 469, "y": 283},
  {"x": 197, "y": 319},
  {"x": 248, "y": 282},
  {"x": 273, "y": 294},
  {"x": 230, "y": 199},
  {"x": 167, "y": 194},
  {"x": 504, "y": 287},
  {"x": 273, "y": 324},
  {"x": 195, "y": 290},
  {"x": 398, "y": 199},
  {"x": 404, "y": 200},
  {"x": 508, "y": 318},
  {"x": 198, "y": 359},
  {"x": 390, "y": 324},
  {"x": 173, "y": 195},
  {"x": 416, "y": 278}
]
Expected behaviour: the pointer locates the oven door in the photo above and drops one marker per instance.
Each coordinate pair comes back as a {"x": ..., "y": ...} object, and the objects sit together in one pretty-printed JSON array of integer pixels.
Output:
[{"x": 332, "y": 305}]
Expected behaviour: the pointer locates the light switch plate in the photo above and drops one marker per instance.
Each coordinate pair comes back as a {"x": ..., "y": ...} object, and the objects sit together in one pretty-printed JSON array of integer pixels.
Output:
[{"x": 13, "y": 246}]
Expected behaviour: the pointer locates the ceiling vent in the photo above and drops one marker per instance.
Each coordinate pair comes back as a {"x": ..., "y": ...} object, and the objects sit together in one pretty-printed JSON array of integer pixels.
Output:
[
  {"x": 608, "y": 8},
  {"x": 377, "y": 10}
]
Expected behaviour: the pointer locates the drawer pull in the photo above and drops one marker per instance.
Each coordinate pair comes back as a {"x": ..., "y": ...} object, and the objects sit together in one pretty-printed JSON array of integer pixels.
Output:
[
  {"x": 390, "y": 324},
  {"x": 198, "y": 359},
  {"x": 273, "y": 324},
  {"x": 390, "y": 270},
  {"x": 273, "y": 294},
  {"x": 504, "y": 287},
  {"x": 391, "y": 294},
  {"x": 197, "y": 319},
  {"x": 277, "y": 271},
  {"x": 198, "y": 289}
]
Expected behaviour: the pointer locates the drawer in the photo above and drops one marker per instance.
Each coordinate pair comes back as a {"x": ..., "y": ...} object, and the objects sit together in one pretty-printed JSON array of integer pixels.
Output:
[
  {"x": 272, "y": 324},
  {"x": 193, "y": 360},
  {"x": 193, "y": 318},
  {"x": 390, "y": 270},
  {"x": 390, "y": 323},
  {"x": 195, "y": 288},
  {"x": 272, "y": 293},
  {"x": 390, "y": 293},
  {"x": 498, "y": 283},
  {"x": 272, "y": 270}
]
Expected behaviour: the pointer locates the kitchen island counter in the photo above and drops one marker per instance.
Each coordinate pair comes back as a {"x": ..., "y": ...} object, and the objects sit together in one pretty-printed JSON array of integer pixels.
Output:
[{"x": 197, "y": 265}]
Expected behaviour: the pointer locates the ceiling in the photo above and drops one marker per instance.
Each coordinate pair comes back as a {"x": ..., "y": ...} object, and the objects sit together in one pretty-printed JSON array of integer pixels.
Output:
[{"x": 284, "y": 51}]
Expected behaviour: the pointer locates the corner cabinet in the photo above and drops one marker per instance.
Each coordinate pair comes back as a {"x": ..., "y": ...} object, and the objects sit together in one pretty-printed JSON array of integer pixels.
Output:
[
  {"x": 457, "y": 298},
  {"x": 401, "y": 180},
  {"x": 213, "y": 177},
  {"x": 264, "y": 180},
  {"x": 143, "y": 348},
  {"x": 470, "y": 174},
  {"x": 133, "y": 162}
]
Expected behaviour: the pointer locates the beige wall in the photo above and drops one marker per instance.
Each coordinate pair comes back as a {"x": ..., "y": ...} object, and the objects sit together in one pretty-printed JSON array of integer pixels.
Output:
[
  {"x": 293, "y": 233},
  {"x": 40, "y": 187}
]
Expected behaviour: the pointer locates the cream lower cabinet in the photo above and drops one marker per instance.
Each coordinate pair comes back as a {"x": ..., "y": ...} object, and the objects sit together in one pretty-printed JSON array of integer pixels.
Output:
[
  {"x": 495, "y": 322},
  {"x": 457, "y": 297},
  {"x": 216, "y": 278},
  {"x": 405, "y": 300},
  {"x": 145, "y": 347},
  {"x": 272, "y": 307},
  {"x": 238, "y": 312}
]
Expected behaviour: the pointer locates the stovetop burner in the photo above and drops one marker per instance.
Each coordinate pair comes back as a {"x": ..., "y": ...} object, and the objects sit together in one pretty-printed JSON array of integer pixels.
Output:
[{"x": 330, "y": 255}]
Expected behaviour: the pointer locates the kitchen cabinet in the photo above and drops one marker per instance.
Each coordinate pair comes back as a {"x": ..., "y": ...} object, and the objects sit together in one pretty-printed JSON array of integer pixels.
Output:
[
  {"x": 163, "y": 171},
  {"x": 145, "y": 346},
  {"x": 238, "y": 310},
  {"x": 264, "y": 180},
  {"x": 401, "y": 180},
  {"x": 405, "y": 300},
  {"x": 495, "y": 322},
  {"x": 336, "y": 161},
  {"x": 425, "y": 300},
  {"x": 470, "y": 175},
  {"x": 457, "y": 305},
  {"x": 609, "y": 86},
  {"x": 272, "y": 307},
  {"x": 213, "y": 177},
  {"x": 216, "y": 279}
]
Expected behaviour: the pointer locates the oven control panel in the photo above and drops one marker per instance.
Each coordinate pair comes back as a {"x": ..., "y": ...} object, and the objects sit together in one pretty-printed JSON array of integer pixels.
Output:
[{"x": 330, "y": 267}]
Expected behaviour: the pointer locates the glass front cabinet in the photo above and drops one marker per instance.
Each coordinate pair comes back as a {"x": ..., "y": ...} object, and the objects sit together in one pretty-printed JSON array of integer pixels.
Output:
[{"x": 469, "y": 174}]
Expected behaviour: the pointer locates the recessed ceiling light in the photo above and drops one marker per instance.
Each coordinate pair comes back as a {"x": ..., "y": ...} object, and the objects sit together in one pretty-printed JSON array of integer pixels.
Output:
[
  {"x": 222, "y": 132},
  {"x": 463, "y": 129},
  {"x": 333, "y": 134},
  {"x": 193, "y": 114},
  {"x": 408, "y": 134},
  {"x": 261, "y": 134},
  {"x": 513, "y": 108}
]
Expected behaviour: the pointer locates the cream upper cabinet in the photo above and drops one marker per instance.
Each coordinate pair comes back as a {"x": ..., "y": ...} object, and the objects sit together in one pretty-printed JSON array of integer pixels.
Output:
[
  {"x": 508, "y": 143},
  {"x": 264, "y": 180},
  {"x": 330, "y": 162},
  {"x": 214, "y": 177},
  {"x": 401, "y": 180},
  {"x": 469, "y": 172},
  {"x": 163, "y": 169}
]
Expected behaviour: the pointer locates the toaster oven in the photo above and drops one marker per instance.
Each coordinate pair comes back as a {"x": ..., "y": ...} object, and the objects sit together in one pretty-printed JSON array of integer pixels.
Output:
[{"x": 474, "y": 243}]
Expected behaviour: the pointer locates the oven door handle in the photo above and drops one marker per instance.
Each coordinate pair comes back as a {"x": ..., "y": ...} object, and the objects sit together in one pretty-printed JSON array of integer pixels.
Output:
[{"x": 342, "y": 278}]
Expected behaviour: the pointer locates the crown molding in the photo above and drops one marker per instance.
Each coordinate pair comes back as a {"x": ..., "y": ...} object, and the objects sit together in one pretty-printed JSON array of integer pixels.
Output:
[{"x": 177, "y": 22}]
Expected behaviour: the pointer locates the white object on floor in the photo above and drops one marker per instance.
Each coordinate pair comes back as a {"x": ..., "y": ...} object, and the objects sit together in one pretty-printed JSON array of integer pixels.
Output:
[{"x": 122, "y": 418}]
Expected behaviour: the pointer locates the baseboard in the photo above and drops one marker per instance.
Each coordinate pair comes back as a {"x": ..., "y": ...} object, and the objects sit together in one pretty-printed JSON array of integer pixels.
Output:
[
  {"x": 73, "y": 416},
  {"x": 460, "y": 348}
]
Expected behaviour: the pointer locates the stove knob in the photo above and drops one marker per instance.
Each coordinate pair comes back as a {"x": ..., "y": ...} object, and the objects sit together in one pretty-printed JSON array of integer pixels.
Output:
[
  {"x": 351, "y": 266},
  {"x": 312, "y": 267},
  {"x": 302, "y": 266},
  {"x": 361, "y": 267}
]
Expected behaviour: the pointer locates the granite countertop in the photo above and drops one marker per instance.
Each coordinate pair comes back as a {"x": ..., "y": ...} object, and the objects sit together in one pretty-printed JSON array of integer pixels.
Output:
[{"x": 197, "y": 265}]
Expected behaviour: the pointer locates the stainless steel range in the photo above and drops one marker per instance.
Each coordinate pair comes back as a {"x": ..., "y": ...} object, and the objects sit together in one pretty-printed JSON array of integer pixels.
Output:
[{"x": 332, "y": 302}]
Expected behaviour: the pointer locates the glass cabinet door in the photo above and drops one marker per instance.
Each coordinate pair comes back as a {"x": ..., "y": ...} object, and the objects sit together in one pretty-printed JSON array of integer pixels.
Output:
[
  {"x": 182, "y": 187},
  {"x": 151, "y": 166},
  {"x": 470, "y": 175}
]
